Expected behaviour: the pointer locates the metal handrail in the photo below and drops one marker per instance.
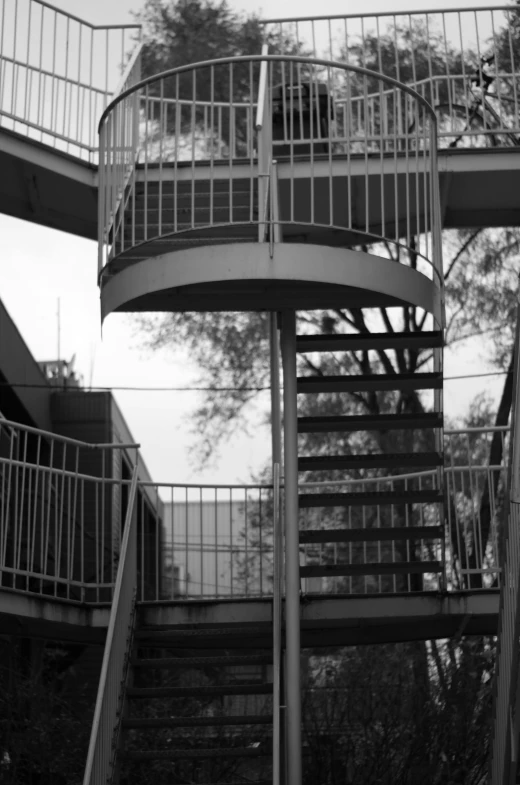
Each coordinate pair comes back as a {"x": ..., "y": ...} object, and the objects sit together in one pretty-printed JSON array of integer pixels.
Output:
[
  {"x": 83, "y": 22},
  {"x": 101, "y": 754},
  {"x": 386, "y": 13},
  {"x": 270, "y": 59},
  {"x": 136, "y": 55},
  {"x": 66, "y": 439}
]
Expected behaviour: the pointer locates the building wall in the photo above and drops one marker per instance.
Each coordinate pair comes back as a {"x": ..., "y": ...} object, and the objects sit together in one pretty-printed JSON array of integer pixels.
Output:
[
  {"x": 207, "y": 548},
  {"x": 29, "y": 405}
]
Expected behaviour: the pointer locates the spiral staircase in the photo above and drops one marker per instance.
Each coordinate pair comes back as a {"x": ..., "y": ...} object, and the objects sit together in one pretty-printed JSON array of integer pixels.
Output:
[
  {"x": 285, "y": 225},
  {"x": 275, "y": 202}
]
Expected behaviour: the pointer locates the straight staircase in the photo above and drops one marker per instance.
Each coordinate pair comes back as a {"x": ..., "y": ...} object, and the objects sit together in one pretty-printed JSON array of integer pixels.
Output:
[
  {"x": 198, "y": 707},
  {"x": 390, "y": 537}
]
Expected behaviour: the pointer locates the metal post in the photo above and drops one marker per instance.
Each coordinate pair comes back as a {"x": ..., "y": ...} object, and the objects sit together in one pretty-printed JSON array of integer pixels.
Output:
[
  {"x": 276, "y": 436},
  {"x": 276, "y": 421},
  {"x": 292, "y": 557}
]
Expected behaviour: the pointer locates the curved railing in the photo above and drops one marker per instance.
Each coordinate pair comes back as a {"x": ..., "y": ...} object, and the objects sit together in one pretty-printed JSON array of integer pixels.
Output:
[
  {"x": 353, "y": 179},
  {"x": 57, "y": 74}
]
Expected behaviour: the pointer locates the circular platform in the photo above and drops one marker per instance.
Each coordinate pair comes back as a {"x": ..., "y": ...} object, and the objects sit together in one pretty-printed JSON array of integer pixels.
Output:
[{"x": 253, "y": 277}]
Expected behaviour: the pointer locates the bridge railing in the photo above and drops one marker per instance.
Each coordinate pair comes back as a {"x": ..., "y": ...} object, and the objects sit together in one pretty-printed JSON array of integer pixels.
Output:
[
  {"x": 205, "y": 114},
  {"x": 441, "y": 49},
  {"x": 218, "y": 540},
  {"x": 62, "y": 506},
  {"x": 57, "y": 74}
]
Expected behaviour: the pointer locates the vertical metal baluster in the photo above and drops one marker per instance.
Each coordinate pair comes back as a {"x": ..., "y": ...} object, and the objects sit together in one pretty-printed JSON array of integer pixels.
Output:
[
  {"x": 366, "y": 129},
  {"x": 146, "y": 137},
  {"x": 260, "y": 543},
  {"x": 20, "y": 514},
  {"x": 79, "y": 89},
  {"x": 162, "y": 131},
  {"x": 172, "y": 540},
  {"x": 186, "y": 534},
  {"x": 231, "y": 142},
  {"x": 201, "y": 544},
  {"x": 27, "y": 65},
  {"x": 45, "y": 568},
  {"x": 14, "y": 88},
  {"x": 193, "y": 126},
  {"x": 143, "y": 563},
  {"x": 91, "y": 117},
  {"x": 176, "y": 152},
  {"x": 34, "y": 494},
  {"x": 498, "y": 89},
  {"x": 246, "y": 551},
  {"x": 515, "y": 75},
  {"x": 231, "y": 538},
  {"x": 82, "y": 539},
  {"x": 215, "y": 514},
  {"x": 251, "y": 142},
  {"x": 66, "y": 82},
  {"x": 3, "y": 64}
]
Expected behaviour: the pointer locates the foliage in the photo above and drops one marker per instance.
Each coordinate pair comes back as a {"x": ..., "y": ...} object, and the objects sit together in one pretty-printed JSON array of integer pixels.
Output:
[
  {"x": 402, "y": 713},
  {"x": 45, "y": 715}
]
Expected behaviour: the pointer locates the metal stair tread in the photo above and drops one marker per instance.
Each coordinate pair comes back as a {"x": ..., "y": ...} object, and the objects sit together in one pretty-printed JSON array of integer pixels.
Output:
[
  {"x": 369, "y": 382},
  {"x": 381, "y": 568},
  {"x": 313, "y": 536},
  {"x": 367, "y": 422},
  {"x": 158, "y": 633},
  {"x": 367, "y": 498},
  {"x": 262, "y": 688},
  {"x": 194, "y": 722},
  {"x": 369, "y": 460},
  {"x": 201, "y": 662},
  {"x": 358, "y": 341},
  {"x": 218, "y": 752}
]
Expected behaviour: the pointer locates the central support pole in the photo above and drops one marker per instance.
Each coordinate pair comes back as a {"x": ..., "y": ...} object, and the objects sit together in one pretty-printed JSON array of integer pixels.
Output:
[
  {"x": 292, "y": 550},
  {"x": 276, "y": 418}
]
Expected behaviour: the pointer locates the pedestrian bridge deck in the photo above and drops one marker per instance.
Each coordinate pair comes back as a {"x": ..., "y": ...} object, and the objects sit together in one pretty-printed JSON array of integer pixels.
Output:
[
  {"x": 340, "y": 620},
  {"x": 51, "y": 188}
]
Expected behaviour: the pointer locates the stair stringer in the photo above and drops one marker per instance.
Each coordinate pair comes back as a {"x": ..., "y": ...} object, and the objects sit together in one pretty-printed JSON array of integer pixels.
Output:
[{"x": 246, "y": 277}]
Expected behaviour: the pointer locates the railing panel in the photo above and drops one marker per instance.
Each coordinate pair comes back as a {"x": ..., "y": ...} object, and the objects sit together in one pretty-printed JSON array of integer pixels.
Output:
[
  {"x": 57, "y": 74},
  {"x": 62, "y": 510},
  {"x": 450, "y": 55},
  {"x": 218, "y": 541},
  {"x": 60, "y": 522}
]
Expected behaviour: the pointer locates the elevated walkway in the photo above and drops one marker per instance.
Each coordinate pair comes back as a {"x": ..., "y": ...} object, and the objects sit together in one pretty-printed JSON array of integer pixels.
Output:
[
  {"x": 478, "y": 187},
  {"x": 46, "y": 186},
  {"x": 326, "y": 621}
]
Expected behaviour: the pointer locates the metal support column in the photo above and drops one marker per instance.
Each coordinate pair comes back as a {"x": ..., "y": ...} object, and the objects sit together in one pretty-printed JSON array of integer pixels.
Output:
[
  {"x": 276, "y": 420},
  {"x": 276, "y": 436},
  {"x": 292, "y": 556}
]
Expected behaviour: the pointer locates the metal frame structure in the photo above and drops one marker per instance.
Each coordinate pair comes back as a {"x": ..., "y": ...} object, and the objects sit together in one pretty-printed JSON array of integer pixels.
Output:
[{"x": 358, "y": 137}]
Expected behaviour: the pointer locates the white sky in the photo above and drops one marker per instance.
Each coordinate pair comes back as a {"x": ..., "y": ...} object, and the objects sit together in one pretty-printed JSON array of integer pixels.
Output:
[{"x": 39, "y": 265}]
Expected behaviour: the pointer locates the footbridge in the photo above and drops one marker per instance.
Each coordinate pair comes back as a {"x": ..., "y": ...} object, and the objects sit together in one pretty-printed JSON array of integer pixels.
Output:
[{"x": 310, "y": 175}]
